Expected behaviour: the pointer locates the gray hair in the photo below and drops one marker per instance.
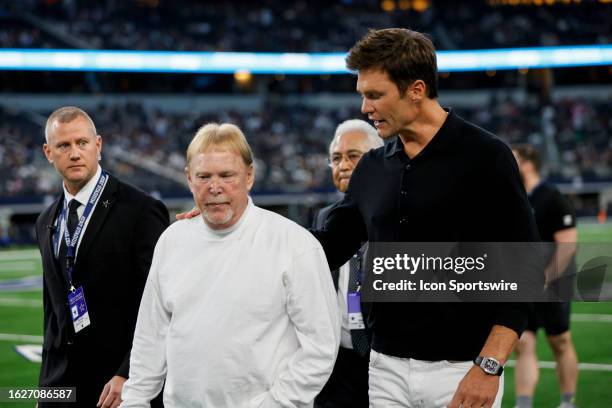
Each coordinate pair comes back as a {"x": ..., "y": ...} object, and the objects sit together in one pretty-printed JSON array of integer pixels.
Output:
[
  {"x": 67, "y": 114},
  {"x": 360, "y": 126}
]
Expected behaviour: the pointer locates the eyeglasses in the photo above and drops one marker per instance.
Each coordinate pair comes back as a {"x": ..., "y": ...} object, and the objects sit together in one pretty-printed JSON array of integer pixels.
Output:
[{"x": 352, "y": 157}]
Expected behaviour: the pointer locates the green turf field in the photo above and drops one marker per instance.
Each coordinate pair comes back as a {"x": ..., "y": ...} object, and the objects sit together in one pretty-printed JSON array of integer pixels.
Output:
[{"x": 21, "y": 324}]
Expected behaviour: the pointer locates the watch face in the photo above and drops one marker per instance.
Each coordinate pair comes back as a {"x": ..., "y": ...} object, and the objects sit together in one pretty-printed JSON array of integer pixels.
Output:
[{"x": 490, "y": 365}]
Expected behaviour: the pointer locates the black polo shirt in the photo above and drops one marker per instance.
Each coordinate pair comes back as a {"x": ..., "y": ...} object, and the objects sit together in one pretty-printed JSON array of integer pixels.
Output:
[
  {"x": 553, "y": 212},
  {"x": 464, "y": 186}
]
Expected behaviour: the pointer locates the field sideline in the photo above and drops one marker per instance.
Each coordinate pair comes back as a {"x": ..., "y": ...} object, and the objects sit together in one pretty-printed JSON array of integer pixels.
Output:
[{"x": 21, "y": 325}]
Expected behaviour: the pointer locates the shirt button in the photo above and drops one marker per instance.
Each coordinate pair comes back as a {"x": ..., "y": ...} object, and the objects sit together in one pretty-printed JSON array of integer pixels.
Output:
[
  {"x": 69, "y": 342},
  {"x": 408, "y": 167},
  {"x": 403, "y": 220},
  {"x": 404, "y": 192}
]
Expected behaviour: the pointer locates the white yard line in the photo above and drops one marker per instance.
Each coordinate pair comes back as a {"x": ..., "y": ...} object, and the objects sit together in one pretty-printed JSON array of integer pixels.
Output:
[
  {"x": 511, "y": 363},
  {"x": 36, "y": 303},
  {"x": 585, "y": 317},
  {"x": 18, "y": 255},
  {"x": 20, "y": 337},
  {"x": 581, "y": 366},
  {"x": 17, "y": 266}
]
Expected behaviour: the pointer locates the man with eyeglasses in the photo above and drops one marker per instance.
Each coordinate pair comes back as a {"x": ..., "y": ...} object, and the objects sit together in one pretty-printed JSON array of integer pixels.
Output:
[
  {"x": 351, "y": 140},
  {"x": 348, "y": 384}
]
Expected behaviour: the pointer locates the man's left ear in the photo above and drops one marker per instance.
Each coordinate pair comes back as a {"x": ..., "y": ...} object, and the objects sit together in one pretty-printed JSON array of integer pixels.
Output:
[
  {"x": 99, "y": 144},
  {"x": 188, "y": 176},
  {"x": 250, "y": 176},
  {"x": 417, "y": 90}
]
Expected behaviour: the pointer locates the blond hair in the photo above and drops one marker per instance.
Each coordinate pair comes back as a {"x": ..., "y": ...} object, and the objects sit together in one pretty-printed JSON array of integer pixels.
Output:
[
  {"x": 224, "y": 135},
  {"x": 67, "y": 114}
]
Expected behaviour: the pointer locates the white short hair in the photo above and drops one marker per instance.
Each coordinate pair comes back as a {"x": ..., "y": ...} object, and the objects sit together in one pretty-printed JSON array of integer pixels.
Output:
[{"x": 360, "y": 126}]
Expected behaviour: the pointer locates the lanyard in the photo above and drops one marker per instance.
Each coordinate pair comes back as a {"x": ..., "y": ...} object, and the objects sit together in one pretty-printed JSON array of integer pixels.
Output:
[
  {"x": 360, "y": 274},
  {"x": 361, "y": 253},
  {"x": 71, "y": 242}
]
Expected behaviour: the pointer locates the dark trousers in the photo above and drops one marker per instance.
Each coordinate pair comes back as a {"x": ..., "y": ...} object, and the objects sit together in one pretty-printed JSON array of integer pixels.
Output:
[{"x": 348, "y": 384}]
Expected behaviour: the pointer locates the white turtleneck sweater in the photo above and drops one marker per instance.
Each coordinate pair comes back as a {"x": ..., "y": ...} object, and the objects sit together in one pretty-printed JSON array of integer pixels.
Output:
[{"x": 241, "y": 317}]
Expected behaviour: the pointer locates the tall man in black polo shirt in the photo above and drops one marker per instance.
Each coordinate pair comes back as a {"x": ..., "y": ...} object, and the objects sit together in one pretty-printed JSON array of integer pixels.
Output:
[
  {"x": 556, "y": 220},
  {"x": 439, "y": 178}
]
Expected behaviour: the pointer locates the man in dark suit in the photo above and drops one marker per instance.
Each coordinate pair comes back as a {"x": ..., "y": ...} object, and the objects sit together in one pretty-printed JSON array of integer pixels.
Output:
[
  {"x": 96, "y": 242},
  {"x": 348, "y": 383}
]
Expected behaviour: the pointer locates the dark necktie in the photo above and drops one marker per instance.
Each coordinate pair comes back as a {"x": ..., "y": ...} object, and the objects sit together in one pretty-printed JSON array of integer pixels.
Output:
[
  {"x": 71, "y": 224},
  {"x": 361, "y": 344},
  {"x": 73, "y": 217}
]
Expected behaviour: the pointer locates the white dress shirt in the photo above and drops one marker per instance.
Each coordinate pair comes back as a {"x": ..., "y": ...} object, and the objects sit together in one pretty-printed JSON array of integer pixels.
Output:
[{"x": 82, "y": 197}]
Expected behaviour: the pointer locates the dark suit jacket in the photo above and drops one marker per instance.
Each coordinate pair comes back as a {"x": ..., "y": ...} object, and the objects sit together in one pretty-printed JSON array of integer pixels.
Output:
[
  {"x": 348, "y": 383},
  {"x": 112, "y": 265},
  {"x": 318, "y": 223}
]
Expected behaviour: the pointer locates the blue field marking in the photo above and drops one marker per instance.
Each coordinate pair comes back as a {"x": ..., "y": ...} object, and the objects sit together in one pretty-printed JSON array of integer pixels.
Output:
[{"x": 27, "y": 283}]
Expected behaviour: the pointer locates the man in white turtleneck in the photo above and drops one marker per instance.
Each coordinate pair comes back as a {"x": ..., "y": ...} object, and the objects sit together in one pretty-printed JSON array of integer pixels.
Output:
[{"x": 239, "y": 309}]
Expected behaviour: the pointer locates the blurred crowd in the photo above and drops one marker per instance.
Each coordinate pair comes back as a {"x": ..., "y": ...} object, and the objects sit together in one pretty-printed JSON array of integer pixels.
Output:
[
  {"x": 290, "y": 143},
  {"x": 300, "y": 26},
  {"x": 572, "y": 134},
  {"x": 20, "y": 146}
]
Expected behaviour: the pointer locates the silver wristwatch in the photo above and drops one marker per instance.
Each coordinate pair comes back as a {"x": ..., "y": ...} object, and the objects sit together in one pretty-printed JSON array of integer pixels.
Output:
[{"x": 489, "y": 365}]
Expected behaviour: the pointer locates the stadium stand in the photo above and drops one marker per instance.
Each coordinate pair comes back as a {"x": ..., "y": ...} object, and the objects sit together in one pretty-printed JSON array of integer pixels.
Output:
[
  {"x": 144, "y": 143},
  {"x": 290, "y": 143},
  {"x": 277, "y": 26},
  {"x": 147, "y": 120}
]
